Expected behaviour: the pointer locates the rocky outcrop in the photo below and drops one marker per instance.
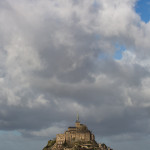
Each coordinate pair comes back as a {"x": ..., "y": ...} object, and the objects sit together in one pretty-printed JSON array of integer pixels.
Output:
[
  {"x": 91, "y": 145},
  {"x": 51, "y": 145}
]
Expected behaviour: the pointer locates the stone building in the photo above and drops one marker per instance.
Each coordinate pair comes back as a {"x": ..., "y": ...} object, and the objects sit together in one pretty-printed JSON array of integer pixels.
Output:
[{"x": 78, "y": 133}]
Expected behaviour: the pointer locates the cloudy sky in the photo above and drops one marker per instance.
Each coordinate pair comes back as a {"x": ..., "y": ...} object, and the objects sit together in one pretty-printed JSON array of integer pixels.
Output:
[{"x": 60, "y": 57}]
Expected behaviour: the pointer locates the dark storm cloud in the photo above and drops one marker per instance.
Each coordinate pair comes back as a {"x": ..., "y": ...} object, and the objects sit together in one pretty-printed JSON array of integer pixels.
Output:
[{"x": 129, "y": 120}]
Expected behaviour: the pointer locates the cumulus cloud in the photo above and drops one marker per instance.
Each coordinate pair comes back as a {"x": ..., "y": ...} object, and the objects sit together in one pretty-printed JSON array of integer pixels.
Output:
[{"x": 52, "y": 66}]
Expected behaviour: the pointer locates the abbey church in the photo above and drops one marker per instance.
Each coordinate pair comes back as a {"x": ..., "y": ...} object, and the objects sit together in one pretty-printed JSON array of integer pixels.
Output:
[
  {"x": 78, "y": 133},
  {"x": 78, "y": 137}
]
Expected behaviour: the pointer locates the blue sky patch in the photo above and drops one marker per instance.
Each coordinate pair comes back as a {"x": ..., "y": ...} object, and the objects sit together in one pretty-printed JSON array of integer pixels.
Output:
[
  {"x": 16, "y": 133},
  {"x": 119, "y": 50},
  {"x": 143, "y": 9}
]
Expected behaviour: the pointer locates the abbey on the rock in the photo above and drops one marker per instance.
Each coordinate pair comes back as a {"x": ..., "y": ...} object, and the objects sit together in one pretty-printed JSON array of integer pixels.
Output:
[
  {"x": 75, "y": 138},
  {"x": 78, "y": 133}
]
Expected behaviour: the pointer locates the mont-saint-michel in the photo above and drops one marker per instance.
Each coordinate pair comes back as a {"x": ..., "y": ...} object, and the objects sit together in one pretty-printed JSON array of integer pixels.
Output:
[{"x": 78, "y": 137}]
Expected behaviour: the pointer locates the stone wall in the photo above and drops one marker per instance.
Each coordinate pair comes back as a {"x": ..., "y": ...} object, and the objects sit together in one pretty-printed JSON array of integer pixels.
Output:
[{"x": 60, "y": 138}]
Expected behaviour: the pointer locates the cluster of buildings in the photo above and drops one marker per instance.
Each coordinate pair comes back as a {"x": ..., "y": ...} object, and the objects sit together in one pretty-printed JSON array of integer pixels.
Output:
[{"x": 78, "y": 133}]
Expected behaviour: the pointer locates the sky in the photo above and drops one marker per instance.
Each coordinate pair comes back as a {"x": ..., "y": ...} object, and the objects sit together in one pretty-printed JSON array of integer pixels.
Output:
[{"x": 60, "y": 57}]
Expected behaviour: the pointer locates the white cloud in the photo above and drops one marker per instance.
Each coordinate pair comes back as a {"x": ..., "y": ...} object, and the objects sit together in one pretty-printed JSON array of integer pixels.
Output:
[
  {"x": 38, "y": 102},
  {"x": 51, "y": 131}
]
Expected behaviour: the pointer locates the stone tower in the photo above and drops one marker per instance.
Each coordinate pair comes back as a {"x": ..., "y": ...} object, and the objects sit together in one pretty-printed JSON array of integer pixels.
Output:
[{"x": 77, "y": 124}]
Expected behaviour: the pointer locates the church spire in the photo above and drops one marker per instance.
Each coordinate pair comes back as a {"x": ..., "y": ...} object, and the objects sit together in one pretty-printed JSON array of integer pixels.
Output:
[{"x": 77, "y": 118}]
